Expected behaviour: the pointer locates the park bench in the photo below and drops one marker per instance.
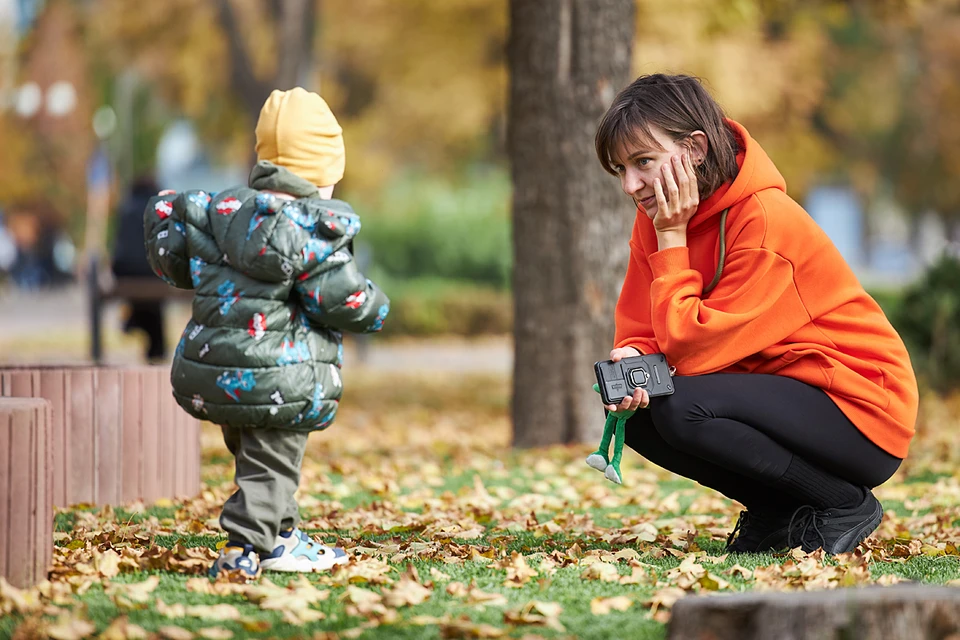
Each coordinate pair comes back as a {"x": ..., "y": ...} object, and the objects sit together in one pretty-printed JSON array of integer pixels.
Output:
[
  {"x": 26, "y": 507},
  {"x": 103, "y": 287}
]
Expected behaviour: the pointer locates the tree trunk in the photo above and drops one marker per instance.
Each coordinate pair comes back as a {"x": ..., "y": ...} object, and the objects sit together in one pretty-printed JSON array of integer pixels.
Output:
[
  {"x": 295, "y": 27},
  {"x": 567, "y": 60},
  {"x": 901, "y": 612}
]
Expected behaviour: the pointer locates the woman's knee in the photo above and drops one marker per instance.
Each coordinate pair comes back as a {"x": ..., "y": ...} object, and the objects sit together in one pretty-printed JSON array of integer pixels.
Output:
[{"x": 679, "y": 420}]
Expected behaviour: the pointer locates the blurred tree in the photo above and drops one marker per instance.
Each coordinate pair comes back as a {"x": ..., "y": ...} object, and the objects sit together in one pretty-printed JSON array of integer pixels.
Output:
[
  {"x": 414, "y": 84},
  {"x": 567, "y": 59}
]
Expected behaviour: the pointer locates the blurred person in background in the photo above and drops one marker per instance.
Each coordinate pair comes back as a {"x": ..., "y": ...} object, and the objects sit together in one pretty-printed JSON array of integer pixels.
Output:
[
  {"x": 44, "y": 253},
  {"x": 794, "y": 395},
  {"x": 275, "y": 285},
  {"x": 130, "y": 259}
]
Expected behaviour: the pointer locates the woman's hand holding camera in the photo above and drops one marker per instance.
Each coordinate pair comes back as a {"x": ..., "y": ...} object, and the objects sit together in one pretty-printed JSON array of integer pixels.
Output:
[{"x": 640, "y": 398}]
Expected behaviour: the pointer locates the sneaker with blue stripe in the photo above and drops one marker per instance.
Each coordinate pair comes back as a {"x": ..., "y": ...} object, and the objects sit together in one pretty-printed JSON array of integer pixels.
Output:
[
  {"x": 237, "y": 558},
  {"x": 296, "y": 552}
]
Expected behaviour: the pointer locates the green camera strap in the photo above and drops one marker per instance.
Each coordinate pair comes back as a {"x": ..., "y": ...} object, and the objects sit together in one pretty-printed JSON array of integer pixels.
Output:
[{"x": 723, "y": 253}]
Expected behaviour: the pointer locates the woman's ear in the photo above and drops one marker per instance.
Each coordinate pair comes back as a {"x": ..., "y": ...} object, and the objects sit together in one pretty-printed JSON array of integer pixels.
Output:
[{"x": 698, "y": 146}]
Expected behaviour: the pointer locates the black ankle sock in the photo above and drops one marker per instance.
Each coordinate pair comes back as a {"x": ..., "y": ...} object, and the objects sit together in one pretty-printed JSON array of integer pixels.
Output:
[{"x": 819, "y": 488}]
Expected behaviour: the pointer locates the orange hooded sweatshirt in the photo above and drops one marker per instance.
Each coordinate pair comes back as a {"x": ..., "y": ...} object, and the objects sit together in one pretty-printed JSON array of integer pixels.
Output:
[{"x": 787, "y": 303}]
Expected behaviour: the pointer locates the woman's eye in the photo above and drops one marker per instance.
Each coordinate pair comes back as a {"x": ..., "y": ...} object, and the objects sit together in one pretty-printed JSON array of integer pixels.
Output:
[
  {"x": 644, "y": 161},
  {"x": 618, "y": 168}
]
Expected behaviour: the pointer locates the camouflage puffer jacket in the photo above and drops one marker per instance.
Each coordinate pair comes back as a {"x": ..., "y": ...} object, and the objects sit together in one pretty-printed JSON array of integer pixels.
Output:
[{"x": 275, "y": 285}]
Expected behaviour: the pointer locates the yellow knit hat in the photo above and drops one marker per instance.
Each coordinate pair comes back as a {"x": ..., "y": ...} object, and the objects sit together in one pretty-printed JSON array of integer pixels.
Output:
[{"x": 297, "y": 130}]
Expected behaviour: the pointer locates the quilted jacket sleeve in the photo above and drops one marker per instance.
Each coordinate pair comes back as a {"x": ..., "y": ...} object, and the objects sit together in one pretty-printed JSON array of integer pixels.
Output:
[
  {"x": 165, "y": 237},
  {"x": 335, "y": 294}
]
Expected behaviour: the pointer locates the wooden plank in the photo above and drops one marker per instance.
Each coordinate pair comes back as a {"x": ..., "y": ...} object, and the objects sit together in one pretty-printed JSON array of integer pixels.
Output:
[
  {"x": 6, "y": 455},
  {"x": 81, "y": 437},
  {"x": 134, "y": 288},
  {"x": 182, "y": 451},
  {"x": 168, "y": 436},
  {"x": 132, "y": 438},
  {"x": 24, "y": 383},
  {"x": 44, "y": 490},
  {"x": 193, "y": 468},
  {"x": 107, "y": 430},
  {"x": 20, "y": 524},
  {"x": 52, "y": 382},
  {"x": 150, "y": 424}
]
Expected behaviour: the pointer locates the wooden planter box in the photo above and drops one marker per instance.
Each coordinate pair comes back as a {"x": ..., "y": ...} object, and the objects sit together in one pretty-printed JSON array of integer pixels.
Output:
[
  {"x": 26, "y": 500},
  {"x": 117, "y": 433}
]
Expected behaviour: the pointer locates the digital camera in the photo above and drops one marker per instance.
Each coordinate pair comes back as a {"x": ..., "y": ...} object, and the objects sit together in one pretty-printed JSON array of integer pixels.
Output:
[{"x": 617, "y": 380}]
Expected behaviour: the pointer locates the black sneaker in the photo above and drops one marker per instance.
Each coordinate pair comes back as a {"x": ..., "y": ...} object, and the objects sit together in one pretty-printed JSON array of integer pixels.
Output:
[
  {"x": 835, "y": 530},
  {"x": 757, "y": 531}
]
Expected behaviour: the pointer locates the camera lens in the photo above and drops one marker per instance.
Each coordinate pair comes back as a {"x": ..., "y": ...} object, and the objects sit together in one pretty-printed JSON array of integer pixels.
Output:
[{"x": 639, "y": 377}]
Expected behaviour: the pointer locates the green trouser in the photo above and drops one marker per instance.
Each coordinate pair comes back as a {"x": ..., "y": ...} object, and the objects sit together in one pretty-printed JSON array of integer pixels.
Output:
[{"x": 267, "y": 475}]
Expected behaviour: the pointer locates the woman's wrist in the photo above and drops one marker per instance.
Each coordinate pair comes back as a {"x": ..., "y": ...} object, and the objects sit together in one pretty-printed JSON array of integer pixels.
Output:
[{"x": 671, "y": 238}]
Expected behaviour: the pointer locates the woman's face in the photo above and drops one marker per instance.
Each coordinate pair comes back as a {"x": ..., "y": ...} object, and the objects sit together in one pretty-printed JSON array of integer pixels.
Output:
[{"x": 637, "y": 164}]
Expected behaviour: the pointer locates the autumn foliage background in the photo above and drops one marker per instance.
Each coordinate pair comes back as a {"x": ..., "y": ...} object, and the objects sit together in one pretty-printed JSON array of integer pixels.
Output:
[{"x": 454, "y": 533}]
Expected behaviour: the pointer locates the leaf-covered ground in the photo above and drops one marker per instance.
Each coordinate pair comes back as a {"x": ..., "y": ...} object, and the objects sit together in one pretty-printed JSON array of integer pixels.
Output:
[{"x": 454, "y": 535}]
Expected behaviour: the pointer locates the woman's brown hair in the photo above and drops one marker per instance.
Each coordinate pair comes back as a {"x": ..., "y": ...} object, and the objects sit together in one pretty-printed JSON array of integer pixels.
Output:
[{"x": 679, "y": 105}]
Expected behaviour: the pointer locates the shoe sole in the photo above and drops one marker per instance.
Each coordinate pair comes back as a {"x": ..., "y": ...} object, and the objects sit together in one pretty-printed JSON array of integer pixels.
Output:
[
  {"x": 849, "y": 541},
  {"x": 294, "y": 565}
]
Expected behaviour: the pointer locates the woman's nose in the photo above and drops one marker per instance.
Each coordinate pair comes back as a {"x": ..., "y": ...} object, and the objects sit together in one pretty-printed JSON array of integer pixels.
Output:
[{"x": 630, "y": 182}]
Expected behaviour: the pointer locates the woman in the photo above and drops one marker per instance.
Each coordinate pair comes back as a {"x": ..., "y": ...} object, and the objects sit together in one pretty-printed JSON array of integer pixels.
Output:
[{"x": 794, "y": 394}]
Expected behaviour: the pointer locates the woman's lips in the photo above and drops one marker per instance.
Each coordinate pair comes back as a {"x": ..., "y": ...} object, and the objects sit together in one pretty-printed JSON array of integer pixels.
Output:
[{"x": 648, "y": 202}]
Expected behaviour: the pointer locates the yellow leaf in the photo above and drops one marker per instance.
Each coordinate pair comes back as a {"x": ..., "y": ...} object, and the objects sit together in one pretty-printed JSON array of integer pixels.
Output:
[
  {"x": 603, "y": 606},
  {"x": 107, "y": 563},
  {"x": 69, "y": 628},
  {"x": 601, "y": 571},
  {"x": 213, "y": 612},
  {"x": 215, "y": 633},
  {"x": 174, "y": 633},
  {"x": 122, "y": 629}
]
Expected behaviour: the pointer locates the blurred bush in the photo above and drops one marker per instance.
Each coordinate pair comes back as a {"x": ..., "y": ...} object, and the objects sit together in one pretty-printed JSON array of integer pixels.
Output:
[
  {"x": 438, "y": 306},
  {"x": 429, "y": 228},
  {"x": 928, "y": 319}
]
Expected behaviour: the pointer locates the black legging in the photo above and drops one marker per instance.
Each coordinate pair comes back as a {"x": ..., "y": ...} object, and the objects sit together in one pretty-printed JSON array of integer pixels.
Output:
[{"x": 770, "y": 442}]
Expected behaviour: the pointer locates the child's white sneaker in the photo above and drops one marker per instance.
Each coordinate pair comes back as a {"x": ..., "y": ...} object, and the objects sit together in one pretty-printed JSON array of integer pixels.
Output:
[
  {"x": 241, "y": 559},
  {"x": 296, "y": 552}
]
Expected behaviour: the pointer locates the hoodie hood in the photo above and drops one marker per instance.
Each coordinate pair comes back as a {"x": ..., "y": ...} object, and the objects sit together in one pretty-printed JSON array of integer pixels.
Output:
[{"x": 757, "y": 172}]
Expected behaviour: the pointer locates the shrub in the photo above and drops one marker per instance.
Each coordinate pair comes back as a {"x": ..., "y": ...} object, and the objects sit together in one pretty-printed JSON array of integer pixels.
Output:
[
  {"x": 928, "y": 319},
  {"x": 423, "y": 228},
  {"x": 425, "y": 307}
]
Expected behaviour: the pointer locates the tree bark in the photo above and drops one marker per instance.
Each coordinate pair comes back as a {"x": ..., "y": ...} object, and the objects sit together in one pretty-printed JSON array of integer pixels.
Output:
[
  {"x": 567, "y": 60},
  {"x": 901, "y": 612}
]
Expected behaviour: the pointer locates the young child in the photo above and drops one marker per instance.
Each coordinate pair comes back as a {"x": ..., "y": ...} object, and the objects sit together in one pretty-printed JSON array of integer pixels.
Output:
[{"x": 275, "y": 285}]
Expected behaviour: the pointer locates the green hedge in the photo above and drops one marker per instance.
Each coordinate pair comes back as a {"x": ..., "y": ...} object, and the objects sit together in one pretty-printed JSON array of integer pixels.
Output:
[
  {"x": 431, "y": 306},
  {"x": 424, "y": 228}
]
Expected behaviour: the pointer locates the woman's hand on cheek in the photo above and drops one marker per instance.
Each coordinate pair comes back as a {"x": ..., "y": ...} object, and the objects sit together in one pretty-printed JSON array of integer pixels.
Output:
[{"x": 677, "y": 194}]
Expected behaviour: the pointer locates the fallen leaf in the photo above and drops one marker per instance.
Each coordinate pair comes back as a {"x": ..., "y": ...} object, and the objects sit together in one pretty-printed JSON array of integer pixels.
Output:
[
  {"x": 603, "y": 606},
  {"x": 122, "y": 629},
  {"x": 518, "y": 571},
  {"x": 601, "y": 571},
  {"x": 174, "y": 633},
  {"x": 134, "y": 595},
  {"x": 70, "y": 628}
]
